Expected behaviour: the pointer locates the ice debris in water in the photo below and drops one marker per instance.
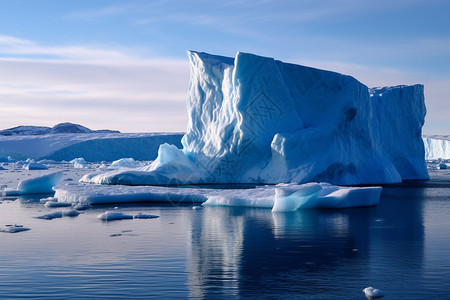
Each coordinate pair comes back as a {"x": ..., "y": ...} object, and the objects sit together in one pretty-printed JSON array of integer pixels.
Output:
[
  {"x": 81, "y": 206},
  {"x": 53, "y": 204},
  {"x": 145, "y": 216},
  {"x": 113, "y": 215},
  {"x": 373, "y": 293},
  {"x": 13, "y": 228},
  {"x": 59, "y": 214},
  {"x": 51, "y": 216},
  {"x": 70, "y": 213}
]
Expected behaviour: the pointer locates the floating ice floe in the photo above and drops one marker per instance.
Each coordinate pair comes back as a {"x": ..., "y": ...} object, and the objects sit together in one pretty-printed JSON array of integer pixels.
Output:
[
  {"x": 373, "y": 293},
  {"x": 129, "y": 163},
  {"x": 13, "y": 228},
  {"x": 54, "y": 204},
  {"x": 59, "y": 214},
  {"x": 51, "y": 216},
  {"x": 145, "y": 216},
  {"x": 71, "y": 213},
  {"x": 282, "y": 197},
  {"x": 442, "y": 166},
  {"x": 113, "y": 215},
  {"x": 38, "y": 185}
]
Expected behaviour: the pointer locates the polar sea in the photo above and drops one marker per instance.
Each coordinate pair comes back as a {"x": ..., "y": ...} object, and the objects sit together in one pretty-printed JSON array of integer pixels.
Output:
[{"x": 400, "y": 246}]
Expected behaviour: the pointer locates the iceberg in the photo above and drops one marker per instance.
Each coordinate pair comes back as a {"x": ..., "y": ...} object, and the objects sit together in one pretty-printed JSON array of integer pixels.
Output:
[
  {"x": 38, "y": 185},
  {"x": 255, "y": 119},
  {"x": 437, "y": 147}
]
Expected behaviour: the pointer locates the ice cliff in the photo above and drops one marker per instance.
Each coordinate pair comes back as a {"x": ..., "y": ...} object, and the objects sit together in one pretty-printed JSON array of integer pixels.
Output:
[
  {"x": 437, "y": 147},
  {"x": 254, "y": 119}
]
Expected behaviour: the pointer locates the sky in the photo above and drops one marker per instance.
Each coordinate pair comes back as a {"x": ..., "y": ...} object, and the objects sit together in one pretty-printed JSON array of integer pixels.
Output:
[{"x": 122, "y": 64}]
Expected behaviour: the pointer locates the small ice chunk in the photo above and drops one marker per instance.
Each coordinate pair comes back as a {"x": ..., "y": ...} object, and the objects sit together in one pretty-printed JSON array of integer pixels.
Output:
[
  {"x": 124, "y": 163},
  {"x": 13, "y": 228},
  {"x": 372, "y": 293},
  {"x": 51, "y": 216},
  {"x": 145, "y": 216},
  {"x": 53, "y": 204},
  {"x": 45, "y": 200},
  {"x": 197, "y": 207},
  {"x": 71, "y": 213},
  {"x": 442, "y": 166},
  {"x": 291, "y": 199},
  {"x": 81, "y": 206},
  {"x": 39, "y": 185},
  {"x": 78, "y": 163},
  {"x": 113, "y": 215},
  {"x": 34, "y": 166}
]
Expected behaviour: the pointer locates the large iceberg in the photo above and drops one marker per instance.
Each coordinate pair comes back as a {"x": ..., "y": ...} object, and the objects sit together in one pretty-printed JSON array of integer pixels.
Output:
[{"x": 254, "y": 119}]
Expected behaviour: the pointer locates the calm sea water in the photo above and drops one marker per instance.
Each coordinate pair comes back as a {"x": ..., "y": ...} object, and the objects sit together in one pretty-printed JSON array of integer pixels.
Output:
[{"x": 401, "y": 246}]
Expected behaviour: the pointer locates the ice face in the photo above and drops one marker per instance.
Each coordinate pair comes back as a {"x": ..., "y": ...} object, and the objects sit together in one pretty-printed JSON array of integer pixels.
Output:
[
  {"x": 437, "y": 148},
  {"x": 254, "y": 119},
  {"x": 400, "y": 113}
]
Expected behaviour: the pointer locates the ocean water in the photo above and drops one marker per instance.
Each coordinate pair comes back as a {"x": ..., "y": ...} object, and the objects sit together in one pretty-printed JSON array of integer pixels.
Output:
[{"x": 401, "y": 246}]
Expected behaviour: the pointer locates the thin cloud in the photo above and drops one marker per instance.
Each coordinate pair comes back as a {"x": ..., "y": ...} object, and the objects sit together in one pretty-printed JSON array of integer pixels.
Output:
[{"x": 92, "y": 85}]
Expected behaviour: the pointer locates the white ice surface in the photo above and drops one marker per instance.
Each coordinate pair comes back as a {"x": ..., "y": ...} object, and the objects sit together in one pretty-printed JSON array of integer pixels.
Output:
[{"x": 287, "y": 197}]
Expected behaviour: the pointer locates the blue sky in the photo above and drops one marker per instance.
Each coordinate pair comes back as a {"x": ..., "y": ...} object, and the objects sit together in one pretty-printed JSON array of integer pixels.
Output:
[{"x": 122, "y": 64}]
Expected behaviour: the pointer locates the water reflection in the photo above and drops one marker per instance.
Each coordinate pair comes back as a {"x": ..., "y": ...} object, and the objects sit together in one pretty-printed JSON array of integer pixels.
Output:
[{"x": 308, "y": 253}]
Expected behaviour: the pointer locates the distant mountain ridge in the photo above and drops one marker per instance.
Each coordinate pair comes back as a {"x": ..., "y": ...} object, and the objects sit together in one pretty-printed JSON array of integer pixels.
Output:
[{"x": 59, "y": 128}]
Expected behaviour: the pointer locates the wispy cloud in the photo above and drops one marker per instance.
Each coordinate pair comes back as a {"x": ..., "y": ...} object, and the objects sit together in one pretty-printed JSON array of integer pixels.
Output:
[
  {"x": 99, "y": 87},
  {"x": 16, "y": 47}
]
